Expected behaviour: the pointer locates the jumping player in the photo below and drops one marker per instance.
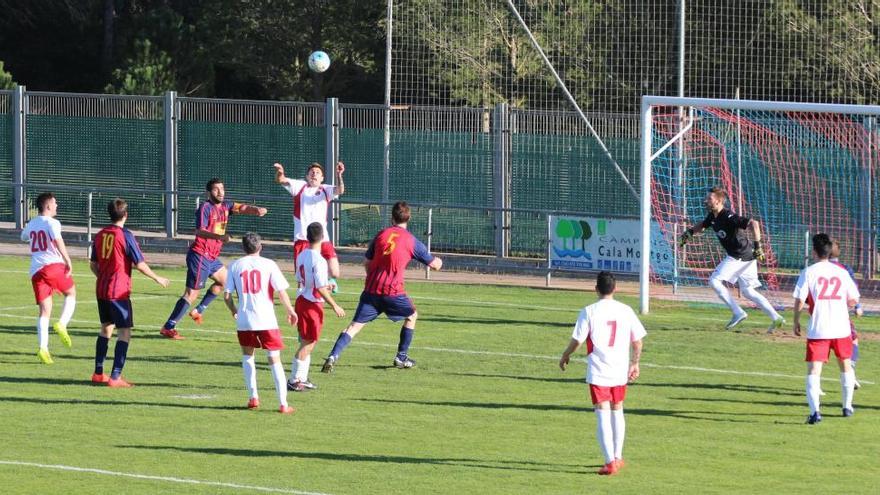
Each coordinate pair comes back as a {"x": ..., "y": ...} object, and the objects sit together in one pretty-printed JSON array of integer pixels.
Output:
[
  {"x": 610, "y": 329},
  {"x": 114, "y": 251},
  {"x": 201, "y": 259},
  {"x": 741, "y": 263},
  {"x": 314, "y": 289},
  {"x": 51, "y": 271},
  {"x": 311, "y": 199},
  {"x": 255, "y": 280},
  {"x": 833, "y": 291},
  {"x": 386, "y": 259}
]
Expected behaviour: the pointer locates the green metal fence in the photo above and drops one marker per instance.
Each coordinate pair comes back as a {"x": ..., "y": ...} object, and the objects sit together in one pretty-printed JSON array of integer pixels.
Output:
[{"x": 463, "y": 165}]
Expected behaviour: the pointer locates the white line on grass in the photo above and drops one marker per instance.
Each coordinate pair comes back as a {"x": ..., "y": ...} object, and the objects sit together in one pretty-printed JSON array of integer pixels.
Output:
[
  {"x": 513, "y": 355},
  {"x": 159, "y": 478}
]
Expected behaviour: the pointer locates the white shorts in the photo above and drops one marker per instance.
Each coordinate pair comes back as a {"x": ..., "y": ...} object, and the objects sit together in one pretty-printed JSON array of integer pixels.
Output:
[{"x": 735, "y": 271}]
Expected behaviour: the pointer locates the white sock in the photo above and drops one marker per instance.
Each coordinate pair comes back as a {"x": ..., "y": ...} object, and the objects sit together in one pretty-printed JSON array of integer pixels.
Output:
[
  {"x": 67, "y": 310},
  {"x": 294, "y": 368},
  {"x": 302, "y": 369},
  {"x": 43, "y": 332},
  {"x": 813, "y": 388},
  {"x": 250, "y": 376},
  {"x": 618, "y": 426},
  {"x": 723, "y": 293},
  {"x": 605, "y": 434},
  {"x": 756, "y": 297},
  {"x": 848, "y": 384},
  {"x": 280, "y": 381}
]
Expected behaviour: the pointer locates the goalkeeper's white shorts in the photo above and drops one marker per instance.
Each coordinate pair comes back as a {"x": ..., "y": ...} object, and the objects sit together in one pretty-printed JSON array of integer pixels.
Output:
[{"x": 734, "y": 271}]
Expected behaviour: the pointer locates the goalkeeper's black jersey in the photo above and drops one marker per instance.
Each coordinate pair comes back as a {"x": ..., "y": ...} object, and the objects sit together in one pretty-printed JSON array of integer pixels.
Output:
[{"x": 730, "y": 230}]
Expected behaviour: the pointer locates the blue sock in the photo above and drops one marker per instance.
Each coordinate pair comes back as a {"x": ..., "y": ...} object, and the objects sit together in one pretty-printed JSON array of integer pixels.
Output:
[
  {"x": 208, "y": 299},
  {"x": 341, "y": 343},
  {"x": 119, "y": 358},
  {"x": 179, "y": 310},
  {"x": 406, "y": 336},
  {"x": 855, "y": 354},
  {"x": 100, "y": 353}
]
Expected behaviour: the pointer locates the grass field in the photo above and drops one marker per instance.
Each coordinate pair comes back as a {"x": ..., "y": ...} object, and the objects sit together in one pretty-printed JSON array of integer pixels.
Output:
[{"x": 486, "y": 411}]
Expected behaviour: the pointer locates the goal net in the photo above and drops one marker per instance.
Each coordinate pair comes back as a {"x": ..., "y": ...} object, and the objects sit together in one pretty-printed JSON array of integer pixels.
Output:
[{"x": 797, "y": 168}]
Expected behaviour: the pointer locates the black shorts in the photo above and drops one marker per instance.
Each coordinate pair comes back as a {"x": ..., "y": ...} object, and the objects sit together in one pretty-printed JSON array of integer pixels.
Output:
[{"x": 117, "y": 312}]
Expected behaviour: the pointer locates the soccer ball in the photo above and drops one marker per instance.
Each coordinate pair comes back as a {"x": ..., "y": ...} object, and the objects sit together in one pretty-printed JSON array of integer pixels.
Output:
[{"x": 319, "y": 61}]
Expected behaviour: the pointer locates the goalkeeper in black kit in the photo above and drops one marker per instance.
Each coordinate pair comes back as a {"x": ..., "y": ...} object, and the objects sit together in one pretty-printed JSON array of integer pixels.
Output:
[{"x": 741, "y": 263}]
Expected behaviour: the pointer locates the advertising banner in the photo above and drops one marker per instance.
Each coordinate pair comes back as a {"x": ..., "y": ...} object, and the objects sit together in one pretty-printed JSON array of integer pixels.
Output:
[{"x": 612, "y": 244}]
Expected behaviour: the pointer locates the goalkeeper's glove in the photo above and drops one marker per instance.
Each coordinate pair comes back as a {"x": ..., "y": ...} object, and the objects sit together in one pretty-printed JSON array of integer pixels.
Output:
[
  {"x": 685, "y": 237},
  {"x": 759, "y": 252}
]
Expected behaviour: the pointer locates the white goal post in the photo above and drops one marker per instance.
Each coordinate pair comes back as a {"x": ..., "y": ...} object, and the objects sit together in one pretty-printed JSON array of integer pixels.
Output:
[{"x": 776, "y": 143}]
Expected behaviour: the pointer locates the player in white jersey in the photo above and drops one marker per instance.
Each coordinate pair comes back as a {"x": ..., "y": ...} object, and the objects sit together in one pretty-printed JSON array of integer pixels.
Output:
[
  {"x": 314, "y": 289},
  {"x": 255, "y": 280},
  {"x": 610, "y": 329},
  {"x": 311, "y": 199},
  {"x": 833, "y": 292},
  {"x": 51, "y": 271}
]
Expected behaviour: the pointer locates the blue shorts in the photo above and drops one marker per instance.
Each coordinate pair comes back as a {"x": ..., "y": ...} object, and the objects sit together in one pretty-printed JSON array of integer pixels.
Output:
[
  {"x": 117, "y": 312},
  {"x": 370, "y": 306},
  {"x": 199, "y": 268}
]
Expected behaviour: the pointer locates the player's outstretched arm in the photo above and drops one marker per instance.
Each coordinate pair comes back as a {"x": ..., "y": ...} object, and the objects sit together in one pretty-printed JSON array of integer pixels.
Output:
[
  {"x": 254, "y": 210},
  {"x": 144, "y": 268},
  {"x": 634, "y": 359},
  {"x": 689, "y": 234},
  {"x": 205, "y": 234},
  {"x": 436, "y": 264},
  {"x": 573, "y": 344},
  {"x": 279, "y": 174},
  {"x": 340, "y": 184},
  {"x": 325, "y": 293}
]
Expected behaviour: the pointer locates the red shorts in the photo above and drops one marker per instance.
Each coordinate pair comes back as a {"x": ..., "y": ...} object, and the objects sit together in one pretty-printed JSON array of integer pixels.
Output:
[
  {"x": 51, "y": 278},
  {"x": 327, "y": 249},
  {"x": 311, "y": 318},
  {"x": 261, "y": 339},
  {"x": 615, "y": 395},
  {"x": 820, "y": 349}
]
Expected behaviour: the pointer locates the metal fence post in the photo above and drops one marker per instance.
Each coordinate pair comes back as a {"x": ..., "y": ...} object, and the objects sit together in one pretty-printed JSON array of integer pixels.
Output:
[
  {"x": 429, "y": 238},
  {"x": 171, "y": 199},
  {"x": 870, "y": 244},
  {"x": 19, "y": 164},
  {"x": 501, "y": 178},
  {"x": 89, "y": 226},
  {"x": 331, "y": 156},
  {"x": 548, "y": 247}
]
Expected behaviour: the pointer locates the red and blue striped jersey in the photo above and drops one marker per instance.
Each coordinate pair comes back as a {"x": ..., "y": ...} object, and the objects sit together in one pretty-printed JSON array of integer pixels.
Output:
[
  {"x": 115, "y": 250},
  {"x": 212, "y": 218},
  {"x": 389, "y": 253}
]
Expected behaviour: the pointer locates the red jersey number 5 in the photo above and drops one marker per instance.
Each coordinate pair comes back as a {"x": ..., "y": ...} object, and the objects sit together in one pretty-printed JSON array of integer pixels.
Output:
[{"x": 391, "y": 244}]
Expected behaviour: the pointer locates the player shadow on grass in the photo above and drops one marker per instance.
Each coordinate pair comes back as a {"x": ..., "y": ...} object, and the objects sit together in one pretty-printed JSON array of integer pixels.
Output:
[
  {"x": 732, "y": 387},
  {"x": 690, "y": 415},
  {"x": 97, "y": 402},
  {"x": 526, "y": 378},
  {"x": 336, "y": 456},
  {"x": 476, "y": 320},
  {"x": 142, "y": 359},
  {"x": 833, "y": 403}
]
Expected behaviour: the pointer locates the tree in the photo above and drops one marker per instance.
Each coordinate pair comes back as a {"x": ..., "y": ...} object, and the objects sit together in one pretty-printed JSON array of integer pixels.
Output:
[
  {"x": 148, "y": 73},
  {"x": 6, "y": 81}
]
